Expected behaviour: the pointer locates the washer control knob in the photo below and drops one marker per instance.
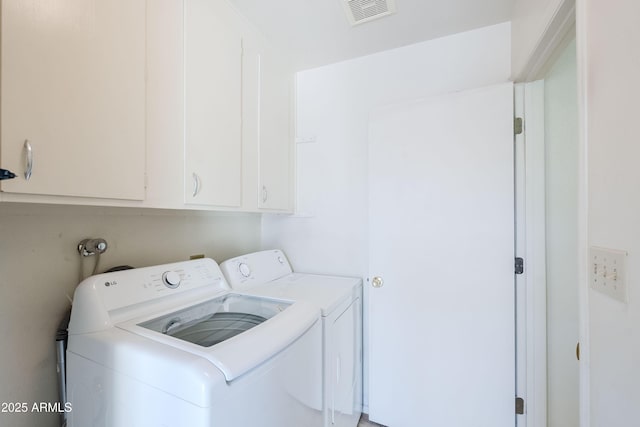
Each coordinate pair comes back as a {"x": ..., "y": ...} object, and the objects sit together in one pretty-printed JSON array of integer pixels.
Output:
[
  {"x": 281, "y": 260},
  {"x": 171, "y": 279},
  {"x": 245, "y": 270}
]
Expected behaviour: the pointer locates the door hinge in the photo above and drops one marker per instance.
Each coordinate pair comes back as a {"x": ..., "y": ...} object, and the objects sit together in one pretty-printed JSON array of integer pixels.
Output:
[
  {"x": 519, "y": 406},
  {"x": 518, "y": 126},
  {"x": 519, "y": 265}
]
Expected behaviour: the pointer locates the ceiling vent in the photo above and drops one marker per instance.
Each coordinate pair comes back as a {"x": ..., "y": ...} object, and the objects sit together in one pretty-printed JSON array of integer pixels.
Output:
[{"x": 360, "y": 11}]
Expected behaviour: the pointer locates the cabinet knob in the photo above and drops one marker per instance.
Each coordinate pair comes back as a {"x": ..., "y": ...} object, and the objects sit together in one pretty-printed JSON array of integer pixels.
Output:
[
  {"x": 28, "y": 155},
  {"x": 265, "y": 194}
]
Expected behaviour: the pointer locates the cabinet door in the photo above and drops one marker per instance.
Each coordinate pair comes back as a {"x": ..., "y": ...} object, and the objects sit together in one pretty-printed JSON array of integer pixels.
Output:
[
  {"x": 73, "y": 89},
  {"x": 213, "y": 91},
  {"x": 165, "y": 104},
  {"x": 275, "y": 137}
]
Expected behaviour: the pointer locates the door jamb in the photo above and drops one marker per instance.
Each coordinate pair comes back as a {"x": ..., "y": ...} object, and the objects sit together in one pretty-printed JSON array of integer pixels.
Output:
[
  {"x": 530, "y": 224},
  {"x": 570, "y": 16}
]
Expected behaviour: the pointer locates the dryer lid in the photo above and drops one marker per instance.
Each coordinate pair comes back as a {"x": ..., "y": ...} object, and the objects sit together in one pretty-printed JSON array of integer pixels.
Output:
[{"x": 327, "y": 292}]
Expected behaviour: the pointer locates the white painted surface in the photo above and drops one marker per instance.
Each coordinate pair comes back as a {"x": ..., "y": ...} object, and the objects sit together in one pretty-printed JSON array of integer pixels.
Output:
[
  {"x": 608, "y": 37},
  {"x": 213, "y": 104},
  {"x": 329, "y": 235},
  {"x": 333, "y": 104},
  {"x": 40, "y": 266},
  {"x": 531, "y": 295},
  {"x": 319, "y": 34},
  {"x": 583, "y": 219},
  {"x": 441, "y": 236},
  {"x": 530, "y": 22},
  {"x": 266, "y": 143},
  {"x": 165, "y": 104},
  {"x": 73, "y": 84},
  {"x": 561, "y": 141},
  {"x": 275, "y": 187}
]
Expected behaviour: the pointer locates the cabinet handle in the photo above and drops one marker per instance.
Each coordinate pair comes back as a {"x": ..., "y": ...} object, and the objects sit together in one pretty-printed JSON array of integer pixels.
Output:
[
  {"x": 196, "y": 184},
  {"x": 265, "y": 194},
  {"x": 28, "y": 168}
]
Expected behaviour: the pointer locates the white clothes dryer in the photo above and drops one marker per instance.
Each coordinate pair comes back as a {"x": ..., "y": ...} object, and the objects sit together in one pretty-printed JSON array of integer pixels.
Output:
[
  {"x": 269, "y": 274},
  {"x": 170, "y": 345}
]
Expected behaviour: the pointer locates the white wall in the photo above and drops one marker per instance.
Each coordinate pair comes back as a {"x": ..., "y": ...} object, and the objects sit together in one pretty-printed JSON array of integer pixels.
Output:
[
  {"x": 39, "y": 266},
  {"x": 609, "y": 60},
  {"x": 333, "y": 102},
  {"x": 561, "y": 168}
]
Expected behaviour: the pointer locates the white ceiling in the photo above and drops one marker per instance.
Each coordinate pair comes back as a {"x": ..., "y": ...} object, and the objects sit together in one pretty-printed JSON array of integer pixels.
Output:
[{"x": 317, "y": 32}]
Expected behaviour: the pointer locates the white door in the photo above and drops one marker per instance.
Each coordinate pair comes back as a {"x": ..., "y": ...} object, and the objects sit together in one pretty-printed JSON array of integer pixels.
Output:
[{"x": 441, "y": 200}]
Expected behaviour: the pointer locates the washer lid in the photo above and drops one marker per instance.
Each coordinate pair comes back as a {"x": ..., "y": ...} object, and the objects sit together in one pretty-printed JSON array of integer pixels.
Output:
[
  {"x": 217, "y": 320},
  {"x": 285, "y": 321}
]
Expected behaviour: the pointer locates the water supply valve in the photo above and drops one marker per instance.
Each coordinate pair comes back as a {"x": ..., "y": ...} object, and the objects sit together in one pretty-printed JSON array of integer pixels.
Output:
[{"x": 90, "y": 247}]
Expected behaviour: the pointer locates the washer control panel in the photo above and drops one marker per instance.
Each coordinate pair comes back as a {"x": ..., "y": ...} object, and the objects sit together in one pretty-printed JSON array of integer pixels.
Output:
[
  {"x": 244, "y": 269},
  {"x": 98, "y": 299},
  {"x": 124, "y": 288}
]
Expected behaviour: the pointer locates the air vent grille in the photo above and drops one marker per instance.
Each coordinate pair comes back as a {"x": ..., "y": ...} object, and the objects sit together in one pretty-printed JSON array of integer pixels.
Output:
[{"x": 360, "y": 11}]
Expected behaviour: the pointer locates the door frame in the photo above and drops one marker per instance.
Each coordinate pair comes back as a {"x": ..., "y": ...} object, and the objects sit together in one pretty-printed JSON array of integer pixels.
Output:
[
  {"x": 530, "y": 244},
  {"x": 582, "y": 220},
  {"x": 567, "y": 18}
]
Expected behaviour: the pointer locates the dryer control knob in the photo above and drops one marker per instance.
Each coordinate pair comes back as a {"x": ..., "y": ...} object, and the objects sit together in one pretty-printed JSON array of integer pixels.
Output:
[
  {"x": 171, "y": 279},
  {"x": 245, "y": 270}
]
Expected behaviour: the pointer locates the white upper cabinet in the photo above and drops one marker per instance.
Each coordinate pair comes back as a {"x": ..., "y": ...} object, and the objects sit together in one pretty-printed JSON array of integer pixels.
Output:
[
  {"x": 213, "y": 108},
  {"x": 237, "y": 106},
  {"x": 177, "y": 104},
  {"x": 73, "y": 97}
]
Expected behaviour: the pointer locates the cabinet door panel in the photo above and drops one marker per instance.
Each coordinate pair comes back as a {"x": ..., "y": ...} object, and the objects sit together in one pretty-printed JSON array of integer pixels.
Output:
[
  {"x": 73, "y": 84},
  {"x": 275, "y": 138},
  {"x": 213, "y": 91}
]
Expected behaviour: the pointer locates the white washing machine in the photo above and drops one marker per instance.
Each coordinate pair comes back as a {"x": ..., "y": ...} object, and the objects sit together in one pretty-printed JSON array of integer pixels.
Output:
[
  {"x": 170, "y": 345},
  {"x": 268, "y": 273}
]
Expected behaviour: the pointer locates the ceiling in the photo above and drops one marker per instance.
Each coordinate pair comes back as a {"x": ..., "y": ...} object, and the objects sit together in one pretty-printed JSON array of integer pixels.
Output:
[{"x": 317, "y": 32}]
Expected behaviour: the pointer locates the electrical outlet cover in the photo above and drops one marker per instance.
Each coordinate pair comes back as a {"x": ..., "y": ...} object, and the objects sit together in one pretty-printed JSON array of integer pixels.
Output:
[{"x": 608, "y": 272}]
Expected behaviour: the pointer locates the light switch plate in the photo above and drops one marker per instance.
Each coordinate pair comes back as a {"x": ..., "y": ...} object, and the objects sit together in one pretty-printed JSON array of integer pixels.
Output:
[{"x": 608, "y": 272}]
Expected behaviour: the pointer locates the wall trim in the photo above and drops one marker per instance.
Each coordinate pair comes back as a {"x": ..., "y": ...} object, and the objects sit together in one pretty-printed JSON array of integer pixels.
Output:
[
  {"x": 583, "y": 213},
  {"x": 558, "y": 32}
]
